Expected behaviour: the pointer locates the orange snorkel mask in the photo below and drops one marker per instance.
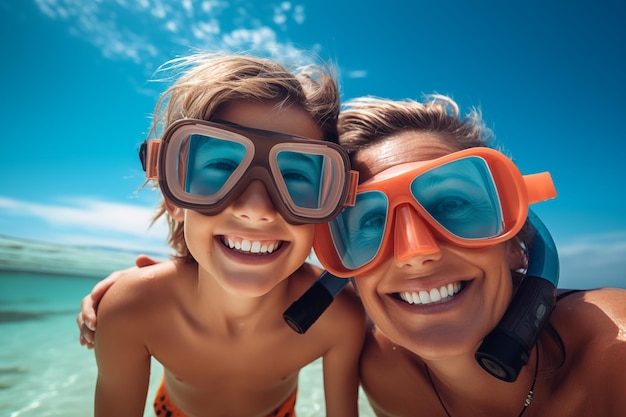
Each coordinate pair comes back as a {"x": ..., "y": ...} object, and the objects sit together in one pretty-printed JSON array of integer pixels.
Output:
[{"x": 472, "y": 198}]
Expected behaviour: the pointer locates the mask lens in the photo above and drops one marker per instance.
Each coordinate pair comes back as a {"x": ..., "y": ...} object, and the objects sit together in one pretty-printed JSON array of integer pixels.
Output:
[
  {"x": 210, "y": 163},
  {"x": 358, "y": 231},
  {"x": 303, "y": 177},
  {"x": 461, "y": 196}
]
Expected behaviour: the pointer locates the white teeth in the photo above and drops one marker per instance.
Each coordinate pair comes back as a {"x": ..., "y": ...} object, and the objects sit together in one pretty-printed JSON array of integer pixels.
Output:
[
  {"x": 444, "y": 291},
  {"x": 255, "y": 246},
  {"x": 451, "y": 289},
  {"x": 435, "y": 295},
  {"x": 415, "y": 297}
]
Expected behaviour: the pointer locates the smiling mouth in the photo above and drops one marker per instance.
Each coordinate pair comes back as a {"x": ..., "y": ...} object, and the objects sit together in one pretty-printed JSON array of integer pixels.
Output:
[
  {"x": 439, "y": 295},
  {"x": 251, "y": 247}
]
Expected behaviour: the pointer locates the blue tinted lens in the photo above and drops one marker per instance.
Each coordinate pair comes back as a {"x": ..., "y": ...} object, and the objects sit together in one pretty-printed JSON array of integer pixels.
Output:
[
  {"x": 302, "y": 174},
  {"x": 210, "y": 163},
  {"x": 358, "y": 231},
  {"x": 461, "y": 196}
]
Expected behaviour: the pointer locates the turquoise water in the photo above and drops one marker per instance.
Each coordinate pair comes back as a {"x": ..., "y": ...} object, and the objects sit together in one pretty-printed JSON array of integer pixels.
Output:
[
  {"x": 45, "y": 372},
  {"x": 43, "y": 369}
]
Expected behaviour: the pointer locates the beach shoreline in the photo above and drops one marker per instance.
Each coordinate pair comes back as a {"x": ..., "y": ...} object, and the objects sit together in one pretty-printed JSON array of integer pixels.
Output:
[{"x": 21, "y": 255}]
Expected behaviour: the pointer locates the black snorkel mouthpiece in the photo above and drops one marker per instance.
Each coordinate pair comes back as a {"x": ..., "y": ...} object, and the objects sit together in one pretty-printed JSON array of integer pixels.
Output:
[
  {"x": 309, "y": 307},
  {"x": 507, "y": 348}
]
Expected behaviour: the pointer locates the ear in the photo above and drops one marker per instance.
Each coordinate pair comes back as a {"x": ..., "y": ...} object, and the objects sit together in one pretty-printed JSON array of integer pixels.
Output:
[
  {"x": 174, "y": 211},
  {"x": 516, "y": 255}
]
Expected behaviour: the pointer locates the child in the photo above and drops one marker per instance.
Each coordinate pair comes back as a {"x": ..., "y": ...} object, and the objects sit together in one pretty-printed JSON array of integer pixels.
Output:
[{"x": 245, "y": 172}]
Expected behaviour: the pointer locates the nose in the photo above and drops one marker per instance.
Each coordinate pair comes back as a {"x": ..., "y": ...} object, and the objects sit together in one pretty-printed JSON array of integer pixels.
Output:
[
  {"x": 255, "y": 204},
  {"x": 412, "y": 236}
]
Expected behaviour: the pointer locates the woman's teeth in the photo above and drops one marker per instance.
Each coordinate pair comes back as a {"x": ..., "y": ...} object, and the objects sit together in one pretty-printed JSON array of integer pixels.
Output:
[
  {"x": 435, "y": 295},
  {"x": 252, "y": 246}
]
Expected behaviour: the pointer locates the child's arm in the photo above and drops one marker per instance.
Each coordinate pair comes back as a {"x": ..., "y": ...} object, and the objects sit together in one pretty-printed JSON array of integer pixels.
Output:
[
  {"x": 121, "y": 353},
  {"x": 341, "y": 362}
]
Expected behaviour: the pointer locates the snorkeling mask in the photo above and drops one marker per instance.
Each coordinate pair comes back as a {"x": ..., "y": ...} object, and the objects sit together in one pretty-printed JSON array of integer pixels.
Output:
[
  {"x": 204, "y": 166},
  {"x": 472, "y": 198}
]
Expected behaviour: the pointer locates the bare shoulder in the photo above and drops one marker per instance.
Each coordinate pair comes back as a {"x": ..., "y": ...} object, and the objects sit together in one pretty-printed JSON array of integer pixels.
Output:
[
  {"x": 600, "y": 311},
  {"x": 346, "y": 309},
  {"x": 343, "y": 322},
  {"x": 592, "y": 326},
  {"x": 140, "y": 289},
  {"x": 346, "y": 313}
]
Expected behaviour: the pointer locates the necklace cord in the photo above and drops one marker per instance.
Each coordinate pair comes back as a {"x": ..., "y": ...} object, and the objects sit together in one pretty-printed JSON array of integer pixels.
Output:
[{"x": 527, "y": 401}]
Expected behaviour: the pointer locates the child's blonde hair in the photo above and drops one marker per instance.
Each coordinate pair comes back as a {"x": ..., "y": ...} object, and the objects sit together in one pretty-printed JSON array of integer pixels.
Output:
[{"x": 211, "y": 80}]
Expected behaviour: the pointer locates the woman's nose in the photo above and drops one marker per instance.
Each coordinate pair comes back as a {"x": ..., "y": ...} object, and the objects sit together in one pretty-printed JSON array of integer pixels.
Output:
[{"x": 412, "y": 236}]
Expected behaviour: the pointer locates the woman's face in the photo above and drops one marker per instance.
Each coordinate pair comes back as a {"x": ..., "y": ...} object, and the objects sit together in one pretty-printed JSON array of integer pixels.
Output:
[{"x": 442, "y": 303}]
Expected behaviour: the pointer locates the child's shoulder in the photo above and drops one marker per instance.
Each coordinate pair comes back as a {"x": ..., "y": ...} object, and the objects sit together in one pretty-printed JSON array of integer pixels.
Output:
[
  {"x": 142, "y": 288},
  {"x": 345, "y": 317},
  {"x": 345, "y": 313}
]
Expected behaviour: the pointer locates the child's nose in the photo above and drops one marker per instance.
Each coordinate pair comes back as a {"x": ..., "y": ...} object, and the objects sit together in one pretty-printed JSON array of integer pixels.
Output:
[
  {"x": 255, "y": 204},
  {"x": 412, "y": 236}
]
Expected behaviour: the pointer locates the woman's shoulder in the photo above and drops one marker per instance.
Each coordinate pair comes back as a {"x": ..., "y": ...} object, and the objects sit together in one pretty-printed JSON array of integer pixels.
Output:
[
  {"x": 596, "y": 307},
  {"x": 592, "y": 327},
  {"x": 592, "y": 324}
]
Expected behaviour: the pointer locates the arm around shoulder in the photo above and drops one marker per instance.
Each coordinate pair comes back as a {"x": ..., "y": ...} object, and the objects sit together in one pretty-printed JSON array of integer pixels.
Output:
[{"x": 121, "y": 352}]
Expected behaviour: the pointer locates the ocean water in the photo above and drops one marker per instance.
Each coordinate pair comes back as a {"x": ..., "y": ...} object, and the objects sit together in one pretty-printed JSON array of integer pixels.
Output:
[{"x": 43, "y": 369}]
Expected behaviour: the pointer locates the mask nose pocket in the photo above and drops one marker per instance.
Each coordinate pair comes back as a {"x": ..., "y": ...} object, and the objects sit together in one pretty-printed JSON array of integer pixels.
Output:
[{"x": 412, "y": 236}]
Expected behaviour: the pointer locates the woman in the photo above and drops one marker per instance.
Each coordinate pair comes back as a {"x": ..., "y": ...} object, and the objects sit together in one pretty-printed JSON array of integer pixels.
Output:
[{"x": 436, "y": 264}]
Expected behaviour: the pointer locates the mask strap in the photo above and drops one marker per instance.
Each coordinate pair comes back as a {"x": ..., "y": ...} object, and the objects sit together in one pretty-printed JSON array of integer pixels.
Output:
[
  {"x": 309, "y": 307},
  {"x": 149, "y": 157},
  {"x": 507, "y": 348}
]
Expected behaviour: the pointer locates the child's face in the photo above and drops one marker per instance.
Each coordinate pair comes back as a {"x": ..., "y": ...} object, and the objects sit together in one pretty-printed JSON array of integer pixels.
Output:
[{"x": 249, "y": 247}]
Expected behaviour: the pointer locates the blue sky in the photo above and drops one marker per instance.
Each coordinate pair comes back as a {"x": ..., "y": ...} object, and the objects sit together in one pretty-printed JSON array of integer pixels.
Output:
[{"x": 76, "y": 100}]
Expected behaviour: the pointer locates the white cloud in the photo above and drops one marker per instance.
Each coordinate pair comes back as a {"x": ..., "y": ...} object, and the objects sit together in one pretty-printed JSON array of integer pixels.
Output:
[
  {"x": 85, "y": 213},
  {"x": 298, "y": 14},
  {"x": 591, "y": 261},
  {"x": 86, "y": 221},
  {"x": 357, "y": 74},
  {"x": 176, "y": 27}
]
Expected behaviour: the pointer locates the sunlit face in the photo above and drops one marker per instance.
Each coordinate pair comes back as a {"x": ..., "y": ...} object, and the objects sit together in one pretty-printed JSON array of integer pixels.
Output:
[
  {"x": 249, "y": 248},
  {"x": 441, "y": 303}
]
